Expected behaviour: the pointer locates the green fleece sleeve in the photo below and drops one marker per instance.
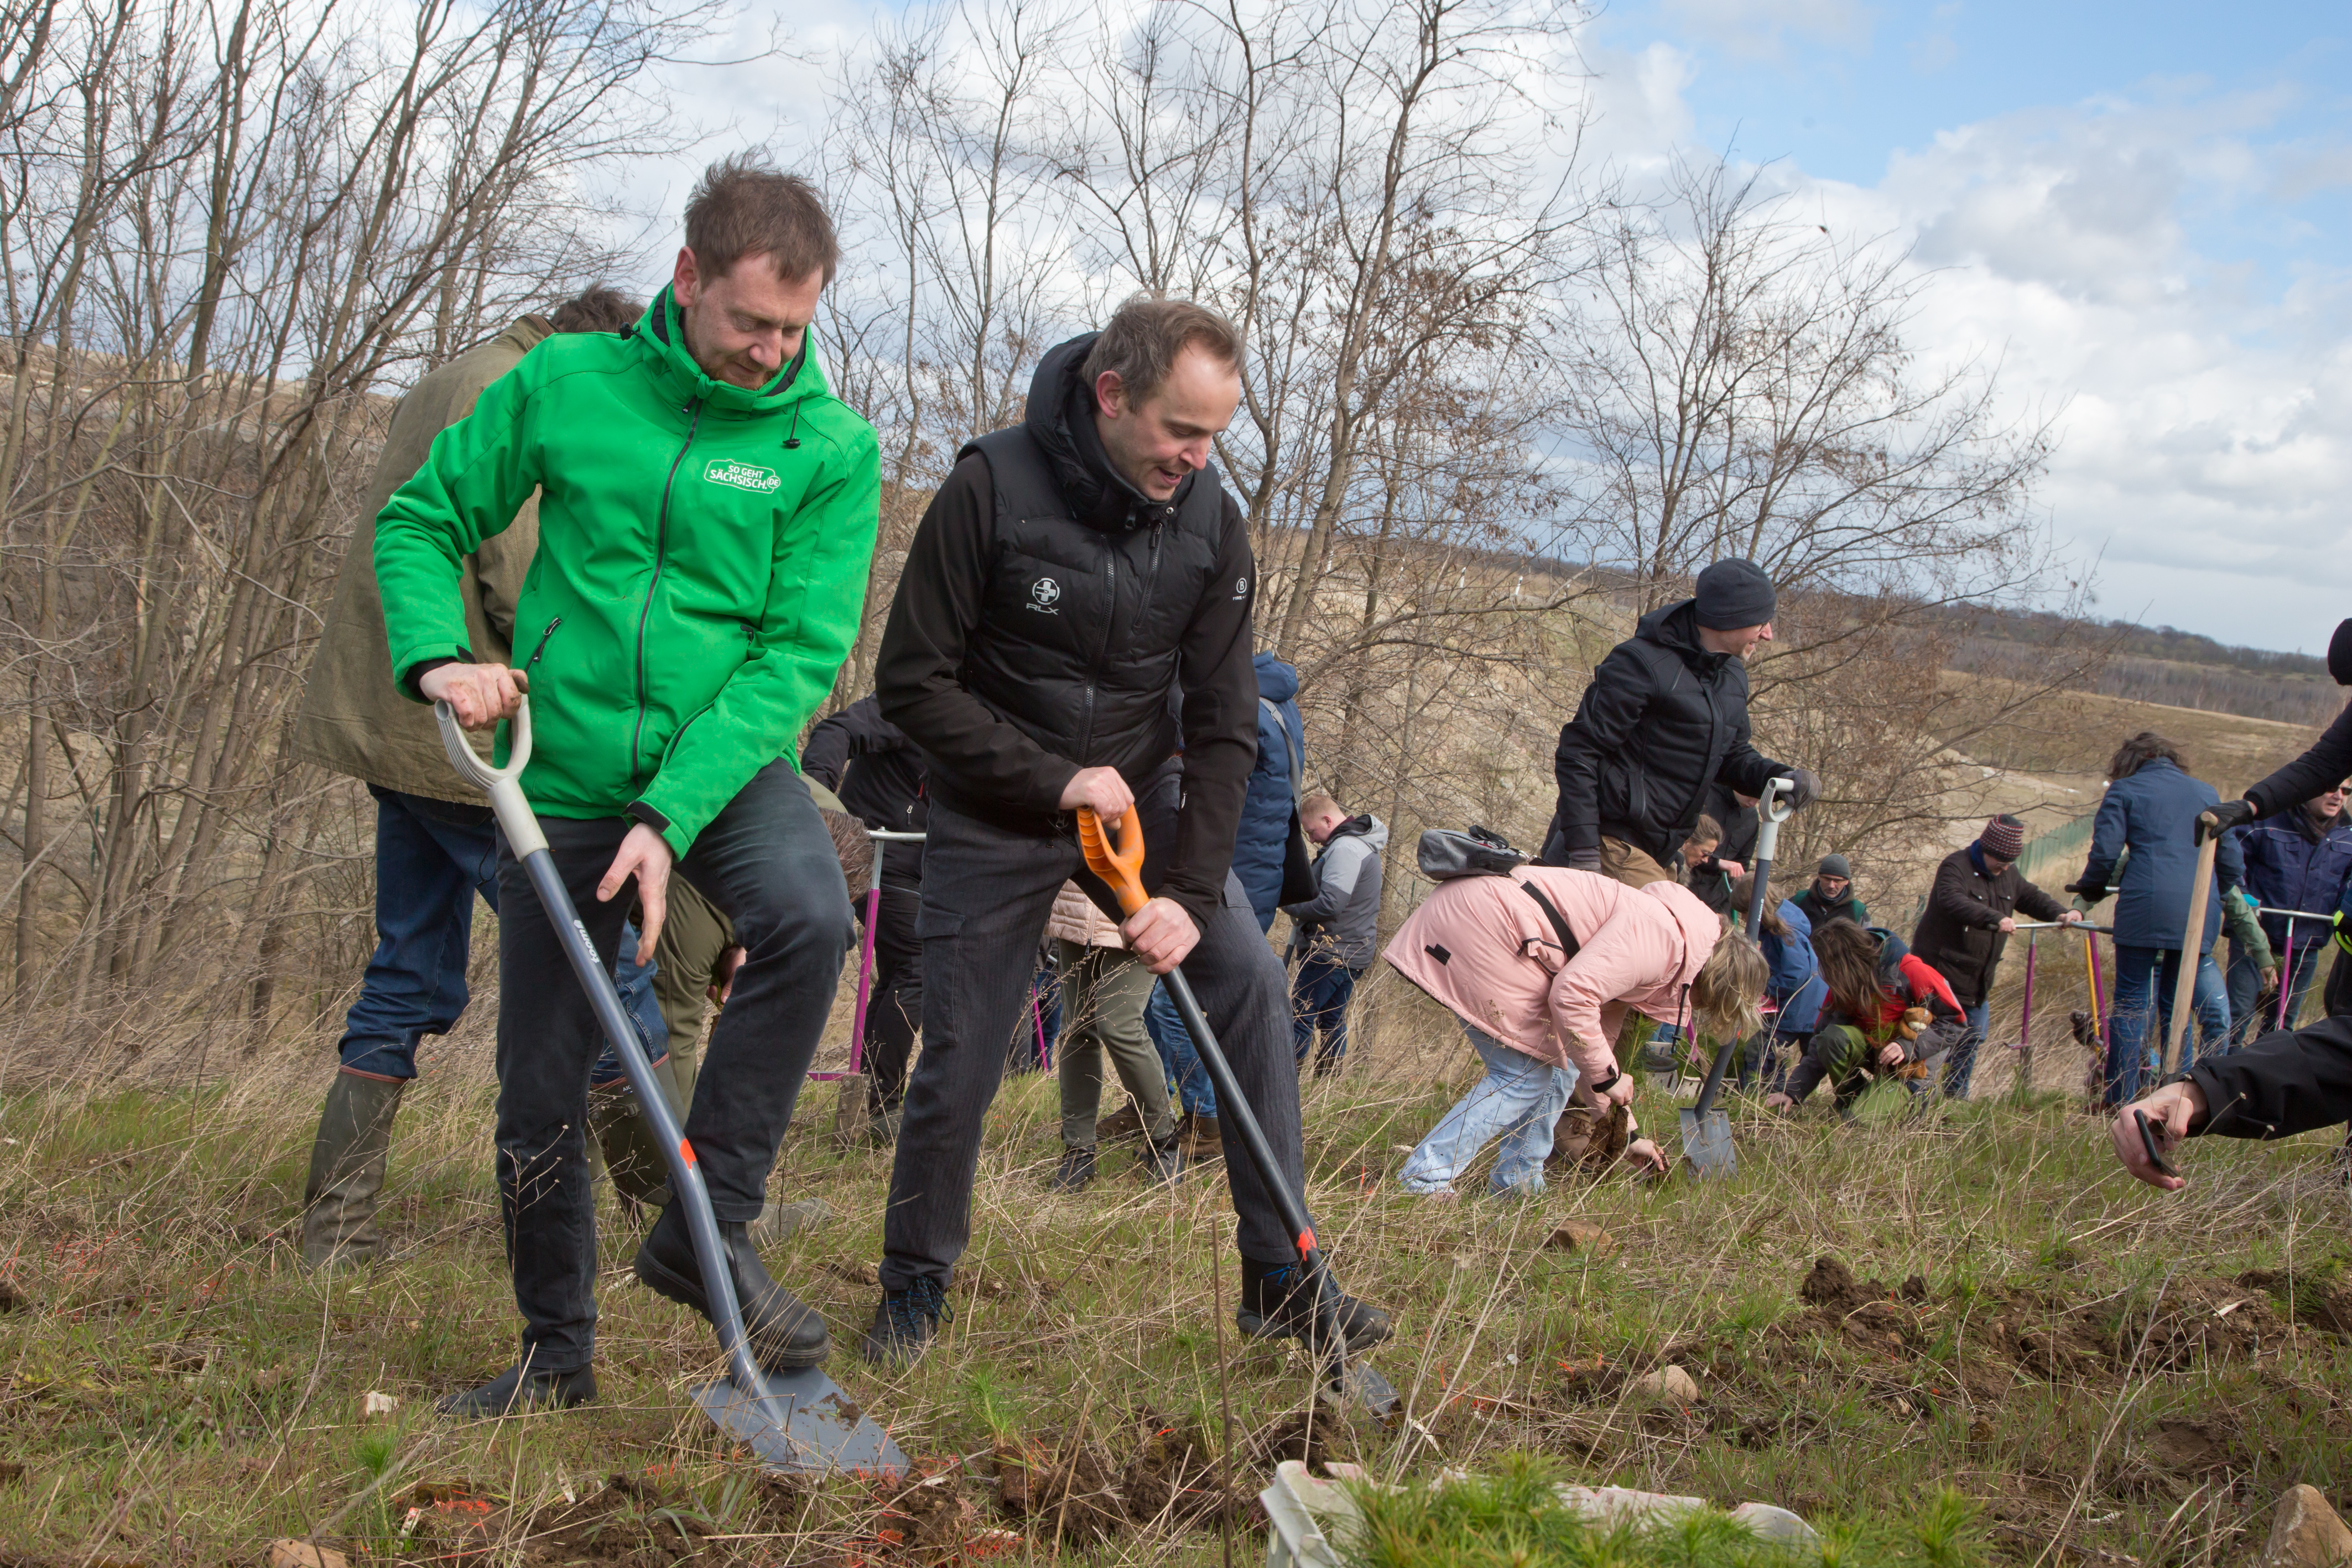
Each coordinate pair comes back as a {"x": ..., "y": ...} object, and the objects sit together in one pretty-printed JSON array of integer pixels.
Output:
[
  {"x": 476, "y": 477},
  {"x": 816, "y": 592}
]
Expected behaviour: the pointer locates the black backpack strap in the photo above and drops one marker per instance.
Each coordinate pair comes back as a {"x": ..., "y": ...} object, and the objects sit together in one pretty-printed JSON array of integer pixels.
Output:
[{"x": 1567, "y": 942}]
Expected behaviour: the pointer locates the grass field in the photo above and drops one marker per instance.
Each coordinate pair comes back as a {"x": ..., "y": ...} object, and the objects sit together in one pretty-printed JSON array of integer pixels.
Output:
[{"x": 1978, "y": 1302}]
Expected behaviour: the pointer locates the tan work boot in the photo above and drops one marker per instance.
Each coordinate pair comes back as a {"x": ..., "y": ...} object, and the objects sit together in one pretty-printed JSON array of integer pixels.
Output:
[
  {"x": 1199, "y": 1139},
  {"x": 1121, "y": 1126},
  {"x": 347, "y": 1165}
]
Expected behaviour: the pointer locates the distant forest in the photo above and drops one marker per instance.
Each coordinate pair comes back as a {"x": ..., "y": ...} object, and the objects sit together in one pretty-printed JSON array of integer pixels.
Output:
[{"x": 2162, "y": 665}]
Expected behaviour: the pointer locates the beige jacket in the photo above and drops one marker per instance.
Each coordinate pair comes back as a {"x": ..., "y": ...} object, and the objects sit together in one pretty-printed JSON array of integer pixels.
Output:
[
  {"x": 1076, "y": 919},
  {"x": 352, "y": 721}
]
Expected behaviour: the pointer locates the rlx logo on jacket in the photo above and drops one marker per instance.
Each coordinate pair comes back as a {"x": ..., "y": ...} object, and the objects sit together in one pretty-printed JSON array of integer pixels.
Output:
[
  {"x": 1042, "y": 594},
  {"x": 742, "y": 476}
]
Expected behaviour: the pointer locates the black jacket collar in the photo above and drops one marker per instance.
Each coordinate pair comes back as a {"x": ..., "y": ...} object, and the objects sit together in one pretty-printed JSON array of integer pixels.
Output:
[{"x": 1060, "y": 419}]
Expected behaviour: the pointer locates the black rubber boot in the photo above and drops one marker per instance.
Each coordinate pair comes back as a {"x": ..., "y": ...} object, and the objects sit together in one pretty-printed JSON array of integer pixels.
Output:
[
  {"x": 1076, "y": 1171},
  {"x": 786, "y": 1333},
  {"x": 905, "y": 1324},
  {"x": 512, "y": 1392},
  {"x": 347, "y": 1165},
  {"x": 1276, "y": 1304}
]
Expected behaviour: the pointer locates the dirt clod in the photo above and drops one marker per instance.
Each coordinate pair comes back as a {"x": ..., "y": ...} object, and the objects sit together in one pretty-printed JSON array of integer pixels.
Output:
[
  {"x": 1578, "y": 1236},
  {"x": 302, "y": 1554}
]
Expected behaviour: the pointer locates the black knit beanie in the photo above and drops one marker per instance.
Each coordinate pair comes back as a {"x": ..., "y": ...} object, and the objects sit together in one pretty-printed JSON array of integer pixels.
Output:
[{"x": 1734, "y": 593}]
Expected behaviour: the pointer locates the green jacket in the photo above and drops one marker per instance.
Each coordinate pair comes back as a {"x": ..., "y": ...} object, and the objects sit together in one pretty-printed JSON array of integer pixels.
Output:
[
  {"x": 701, "y": 565},
  {"x": 353, "y": 722}
]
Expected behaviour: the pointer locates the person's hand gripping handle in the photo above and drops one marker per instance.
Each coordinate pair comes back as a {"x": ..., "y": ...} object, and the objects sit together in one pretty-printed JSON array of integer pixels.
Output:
[{"x": 1157, "y": 930}]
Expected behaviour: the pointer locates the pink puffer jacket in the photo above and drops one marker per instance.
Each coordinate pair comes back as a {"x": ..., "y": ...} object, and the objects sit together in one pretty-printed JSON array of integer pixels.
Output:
[{"x": 1482, "y": 946}]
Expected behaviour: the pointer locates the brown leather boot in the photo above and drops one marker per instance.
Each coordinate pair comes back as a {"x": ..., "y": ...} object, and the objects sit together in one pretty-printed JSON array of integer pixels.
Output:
[{"x": 1199, "y": 1139}]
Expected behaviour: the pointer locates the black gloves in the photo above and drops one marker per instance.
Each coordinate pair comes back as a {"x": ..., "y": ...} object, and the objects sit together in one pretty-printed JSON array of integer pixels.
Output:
[
  {"x": 1584, "y": 859},
  {"x": 1809, "y": 786},
  {"x": 2227, "y": 815}
]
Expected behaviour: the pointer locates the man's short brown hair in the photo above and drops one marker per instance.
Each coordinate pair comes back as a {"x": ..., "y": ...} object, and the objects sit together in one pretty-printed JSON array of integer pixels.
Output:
[
  {"x": 743, "y": 207},
  {"x": 595, "y": 309},
  {"x": 1144, "y": 336}
]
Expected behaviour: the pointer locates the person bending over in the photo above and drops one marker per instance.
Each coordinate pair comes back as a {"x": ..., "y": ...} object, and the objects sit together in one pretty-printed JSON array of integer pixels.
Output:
[
  {"x": 706, "y": 516},
  {"x": 1074, "y": 577},
  {"x": 1887, "y": 1015},
  {"x": 1540, "y": 966}
]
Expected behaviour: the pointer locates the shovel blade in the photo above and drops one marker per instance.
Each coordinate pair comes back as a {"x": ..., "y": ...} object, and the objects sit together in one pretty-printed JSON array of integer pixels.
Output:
[
  {"x": 1363, "y": 1385},
  {"x": 1708, "y": 1144},
  {"x": 822, "y": 1429}
]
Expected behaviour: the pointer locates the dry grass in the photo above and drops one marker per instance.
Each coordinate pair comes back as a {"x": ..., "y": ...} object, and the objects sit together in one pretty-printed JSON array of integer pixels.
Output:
[{"x": 173, "y": 1391}]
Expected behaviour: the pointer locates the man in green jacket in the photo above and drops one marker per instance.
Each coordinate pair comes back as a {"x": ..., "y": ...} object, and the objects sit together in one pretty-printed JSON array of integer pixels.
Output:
[
  {"x": 707, "y": 514},
  {"x": 435, "y": 846}
]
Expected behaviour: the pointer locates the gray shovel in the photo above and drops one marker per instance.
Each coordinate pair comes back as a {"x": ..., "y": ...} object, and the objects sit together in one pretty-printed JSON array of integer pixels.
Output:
[
  {"x": 793, "y": 1420},
  {"x": 1706, "y": 1131}
]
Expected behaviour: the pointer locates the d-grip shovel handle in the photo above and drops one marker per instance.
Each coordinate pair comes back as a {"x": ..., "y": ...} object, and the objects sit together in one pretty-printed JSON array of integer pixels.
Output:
[
  {"x": 1120, "y": 867},
  {"x": 516, "y": 821}
]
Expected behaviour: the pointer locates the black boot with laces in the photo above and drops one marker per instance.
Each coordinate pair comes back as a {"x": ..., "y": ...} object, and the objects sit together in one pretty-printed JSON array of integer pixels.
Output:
[{"x": 905, "y": 1324}]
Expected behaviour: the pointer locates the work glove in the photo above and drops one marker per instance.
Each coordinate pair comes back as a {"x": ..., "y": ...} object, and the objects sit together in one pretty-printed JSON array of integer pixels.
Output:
[
  {"x": 2227, "y": 815},
  {"x": 2090, "y": 893},
  {"x": 1584, "y": 859},
  {"x": 1809, "y": 786}
]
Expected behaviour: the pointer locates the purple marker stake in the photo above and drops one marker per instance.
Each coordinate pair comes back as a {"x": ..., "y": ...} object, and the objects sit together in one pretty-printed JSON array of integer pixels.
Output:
[
  {"x": 865, "y": 959},
  {"x": 1037, "y": 1017},
  {"x": 2025, "y": 1015}
]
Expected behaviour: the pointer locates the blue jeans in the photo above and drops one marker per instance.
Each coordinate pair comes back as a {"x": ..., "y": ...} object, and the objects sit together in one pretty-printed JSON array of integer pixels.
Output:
[
  {"x": 1518, "y": 1101},
  {"x": 1174, "y": 1043},
  {"x": 1962, "y": 1064},
  {"x": 1319, "y": 1005},
  {"x": 429, "y": 864},
  {"x": 2144, "y": 977}
]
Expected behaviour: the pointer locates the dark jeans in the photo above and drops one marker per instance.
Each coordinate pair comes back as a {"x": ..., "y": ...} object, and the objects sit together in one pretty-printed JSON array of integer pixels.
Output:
[
  {"x": 767, "y": 863},
  {"x": 986, "y": 894},
  {"x": 1188, "y": 1078},
  {"x": 1319, "y": 1005},
  {"x": 893, "y": 1006},
  {"x": 2144, "y": 977},
  {"x": 1962, "y": 1063},
  {"x": 430, "y": 862},
  {"x": 2312, "y": 947}
]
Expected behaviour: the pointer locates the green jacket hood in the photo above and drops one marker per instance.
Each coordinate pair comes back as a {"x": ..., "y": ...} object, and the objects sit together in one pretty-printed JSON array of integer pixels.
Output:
[{"x": 661, "y": 331}]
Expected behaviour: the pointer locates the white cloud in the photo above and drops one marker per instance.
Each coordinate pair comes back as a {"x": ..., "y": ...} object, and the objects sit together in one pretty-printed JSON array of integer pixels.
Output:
[{"x": 1762, "y": 29}]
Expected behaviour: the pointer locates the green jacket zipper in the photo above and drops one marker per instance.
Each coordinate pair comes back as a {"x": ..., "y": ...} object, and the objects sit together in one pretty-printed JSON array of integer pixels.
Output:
[
  {"x": 661, "y": 551},
  {"x": 543, "y": 636}
]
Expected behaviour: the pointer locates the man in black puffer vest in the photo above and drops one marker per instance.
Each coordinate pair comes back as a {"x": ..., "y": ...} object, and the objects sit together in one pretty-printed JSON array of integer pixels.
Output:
[
  {"x": 1074, "y": 577},
  {"x": 1665, "y": 717}
]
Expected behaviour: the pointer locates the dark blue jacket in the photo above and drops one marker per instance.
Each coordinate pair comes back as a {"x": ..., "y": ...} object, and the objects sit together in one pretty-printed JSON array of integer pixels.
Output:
[
  {"x": 1265, "y": 811},
  {"x": 2153, "y": 813},
  {"x": 2290, "y": 864}
]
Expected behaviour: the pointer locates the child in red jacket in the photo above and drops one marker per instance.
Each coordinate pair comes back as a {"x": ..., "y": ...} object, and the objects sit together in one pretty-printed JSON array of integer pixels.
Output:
[{"x": 1887, "y": 1015}]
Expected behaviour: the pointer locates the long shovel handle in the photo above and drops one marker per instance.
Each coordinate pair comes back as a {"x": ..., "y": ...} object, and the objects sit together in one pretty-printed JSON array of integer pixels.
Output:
[
  {"x": 1772, "y": 809},
  {"x": 520, "y": 826},
  {"x": 2192, "y": 942},
  {"x": 1119, "y": 866},
  {"x": 865, "y": 958}
]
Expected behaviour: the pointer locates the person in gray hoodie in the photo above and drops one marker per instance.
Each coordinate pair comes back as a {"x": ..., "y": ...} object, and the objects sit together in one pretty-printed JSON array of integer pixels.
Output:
[{"x": 1334, "y": 935}]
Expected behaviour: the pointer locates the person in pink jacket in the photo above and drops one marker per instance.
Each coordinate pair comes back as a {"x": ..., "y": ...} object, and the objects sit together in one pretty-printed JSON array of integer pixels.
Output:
[{"x": 1541, "y": 1005}]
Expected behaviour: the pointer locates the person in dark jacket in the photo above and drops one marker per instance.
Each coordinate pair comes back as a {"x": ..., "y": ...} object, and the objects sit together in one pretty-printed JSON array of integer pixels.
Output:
[
  {"x": 1072, "y": 574},
  {"x": 2325, "y": 765},
  {"x": 1665, "y": 717},
  {"x": 1334, "y": 935},
  {"x": 1270, "y": 810},
  {"x": 879, "y": 775},
  {"x": 2300, "y": 860},
  {"x": 1971, "y": 911},
  {"x": 1732, "y": 815},
  {"x": 2285, "y": 1084},
  {"x": 2151, "y": 809},
  {"x": 1829, "y": 895}
]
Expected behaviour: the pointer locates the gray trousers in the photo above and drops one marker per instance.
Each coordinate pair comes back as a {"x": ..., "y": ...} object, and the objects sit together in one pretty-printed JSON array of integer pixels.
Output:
[
  {"x": 1103, "y": 990},
  {"x": 986, "y": 894}
]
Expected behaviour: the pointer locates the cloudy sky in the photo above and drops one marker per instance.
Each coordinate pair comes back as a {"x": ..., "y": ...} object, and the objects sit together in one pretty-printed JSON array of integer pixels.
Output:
[{"x": 2141, "y": 211}]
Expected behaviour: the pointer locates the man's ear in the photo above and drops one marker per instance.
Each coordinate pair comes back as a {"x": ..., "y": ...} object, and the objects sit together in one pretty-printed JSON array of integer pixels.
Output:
[
  {"x": 685, "y": 278},
  {"x": 1111, "y": 393}
]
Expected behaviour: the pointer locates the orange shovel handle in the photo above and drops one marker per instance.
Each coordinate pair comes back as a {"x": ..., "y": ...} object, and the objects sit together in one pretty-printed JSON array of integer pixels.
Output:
[{"x": 1121, "y": 868}]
